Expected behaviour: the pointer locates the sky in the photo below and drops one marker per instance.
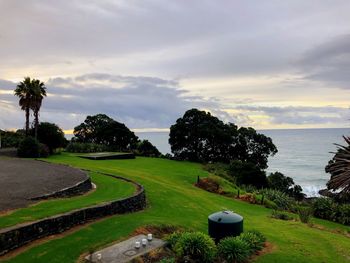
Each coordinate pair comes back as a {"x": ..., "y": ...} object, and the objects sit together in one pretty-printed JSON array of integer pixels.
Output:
[{"x": 266, "y": 64}]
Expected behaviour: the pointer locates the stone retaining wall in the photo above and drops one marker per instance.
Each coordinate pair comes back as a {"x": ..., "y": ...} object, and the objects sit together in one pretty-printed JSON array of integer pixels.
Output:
[
  {"x": 19, "y": 235},
  {"x": 77, "y": 189}
]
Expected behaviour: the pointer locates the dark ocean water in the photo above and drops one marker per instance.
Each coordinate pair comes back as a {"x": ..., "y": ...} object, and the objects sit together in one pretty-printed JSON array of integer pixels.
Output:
[{"x": 302, "y": 153}]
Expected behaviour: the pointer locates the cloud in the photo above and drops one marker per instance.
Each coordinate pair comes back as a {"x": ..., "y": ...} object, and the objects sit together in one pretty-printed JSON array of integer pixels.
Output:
[
  {"x": 301, "y": 115},
  {"x": 329, "y": 62},
  {"x": 140, "y": 102}
]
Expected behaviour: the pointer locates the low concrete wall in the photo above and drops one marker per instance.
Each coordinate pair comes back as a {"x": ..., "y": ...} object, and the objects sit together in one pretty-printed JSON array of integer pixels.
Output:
[
  {"x": 77, "y": 189},
  {"x": 19, "y": 235}
]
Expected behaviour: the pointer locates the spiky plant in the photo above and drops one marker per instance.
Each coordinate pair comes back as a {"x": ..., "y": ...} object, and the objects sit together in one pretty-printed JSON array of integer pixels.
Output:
[{"x": 339, "y": 168}]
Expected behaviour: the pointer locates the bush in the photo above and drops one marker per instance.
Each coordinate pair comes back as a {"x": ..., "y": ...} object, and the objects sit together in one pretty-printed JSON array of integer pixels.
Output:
[
  {"x": 195, "y": 247},
  {"x": 280, "y": 215},
  {"x": 282, "y": 200},
  {"x": 44, "y": 151},
  {"x": 28, "y": 148},
  {"x": 248, "y": 174},
  {"x": 78, "y": 147},
  {"x": 167, "y": 260},
  {"x": 341, "y": 214},
  {"x": 261, "y": 237},
  {"x": 173, "y": 238},
  {"x": 323, "y": 208},
  {"x": 234, "y": 249},
  {"x": 305, "y": 214},
  {"x": 255, "y": 242}
]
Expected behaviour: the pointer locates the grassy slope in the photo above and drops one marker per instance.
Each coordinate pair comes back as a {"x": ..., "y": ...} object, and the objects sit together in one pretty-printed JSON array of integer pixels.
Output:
[
  {"x": 173, "y": 199},
  {"x": 108, "y": 189}
]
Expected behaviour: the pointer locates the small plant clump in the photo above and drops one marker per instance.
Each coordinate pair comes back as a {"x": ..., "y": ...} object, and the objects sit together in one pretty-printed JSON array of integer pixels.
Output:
[
  {"x": 199, "y": 247},
  {"x": 305, "y": 214},
  {"x": 195, "y": 247},
  {"x": 280, "y": 215},
  {"x": 234, "y": 249}
]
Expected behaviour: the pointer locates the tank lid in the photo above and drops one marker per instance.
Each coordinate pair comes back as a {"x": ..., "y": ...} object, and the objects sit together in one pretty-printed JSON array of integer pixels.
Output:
[{"x": 225, "y": 217}]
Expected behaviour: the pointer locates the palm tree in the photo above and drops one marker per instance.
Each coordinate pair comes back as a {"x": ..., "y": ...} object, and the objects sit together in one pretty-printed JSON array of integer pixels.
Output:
[
  {"x": 339, "y": 168},
  {"x": 39, "y": 91},
  {"x": 24, "y": 92}
]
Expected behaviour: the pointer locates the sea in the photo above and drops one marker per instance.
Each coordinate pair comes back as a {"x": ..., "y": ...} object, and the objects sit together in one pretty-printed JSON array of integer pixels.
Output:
[{"x": 302, "y": 153}]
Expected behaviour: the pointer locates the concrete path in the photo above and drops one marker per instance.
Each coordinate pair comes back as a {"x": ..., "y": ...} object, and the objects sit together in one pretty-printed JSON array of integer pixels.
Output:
[{"x": 124, "y": 251}]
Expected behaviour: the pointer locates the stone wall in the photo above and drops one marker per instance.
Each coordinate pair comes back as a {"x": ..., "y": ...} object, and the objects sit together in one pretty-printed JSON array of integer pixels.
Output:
[
  {"x": 19, "y": 235},
  {"x": 77, "y": 189}
]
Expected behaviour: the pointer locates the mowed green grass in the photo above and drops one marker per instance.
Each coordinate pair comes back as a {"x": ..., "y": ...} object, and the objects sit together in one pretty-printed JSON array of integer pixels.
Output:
[
  {"x": 172, "y": 199},
  {"x": 108, "y": 189}
]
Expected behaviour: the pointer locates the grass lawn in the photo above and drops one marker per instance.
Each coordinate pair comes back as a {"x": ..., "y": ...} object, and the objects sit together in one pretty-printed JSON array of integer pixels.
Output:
[
  {"x": 173, "y": 199},
  {"x": 108, "y": 189}
]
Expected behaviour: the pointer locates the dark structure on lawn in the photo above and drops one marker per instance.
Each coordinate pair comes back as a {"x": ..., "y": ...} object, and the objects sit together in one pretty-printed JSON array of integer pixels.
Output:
[{"x": 224, "y": 224}]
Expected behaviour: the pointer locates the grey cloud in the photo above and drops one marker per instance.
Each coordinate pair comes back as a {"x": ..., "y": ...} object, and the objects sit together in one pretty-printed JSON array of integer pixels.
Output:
[
  {"x": 140, "y": 102},
  {"x": 329, "y": 62},
  {"x": 168, "y": 38}
]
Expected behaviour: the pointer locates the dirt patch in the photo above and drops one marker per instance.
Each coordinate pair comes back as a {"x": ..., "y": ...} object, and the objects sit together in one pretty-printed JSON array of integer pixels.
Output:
[{"x": 22, "y": 179}]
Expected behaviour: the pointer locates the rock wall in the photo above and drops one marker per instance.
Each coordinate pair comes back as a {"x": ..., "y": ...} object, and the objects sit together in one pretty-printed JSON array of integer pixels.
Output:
[
  {"x": 19, "y": 235},
  {"x": 77, "y": 189}
]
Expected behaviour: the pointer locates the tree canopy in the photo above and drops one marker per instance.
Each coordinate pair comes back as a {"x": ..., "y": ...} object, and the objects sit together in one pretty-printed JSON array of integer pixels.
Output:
[
  {"x": 31, "y": 93},
  {"x": 101, "y": 129},
  {"x": 51, "y": 135},
  {"x": 198, "y": 136}
]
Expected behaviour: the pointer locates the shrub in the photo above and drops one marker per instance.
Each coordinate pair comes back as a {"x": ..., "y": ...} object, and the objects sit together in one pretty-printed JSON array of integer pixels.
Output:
[
  {"x": 28, "y": 148},
  {"x": 258, "y": 234},
  {"x": 248, "y": 174},
  {"x": 251, "y": 198},
  {"x": 323, "y": 208},
  {"x": 173, "y": 238},
  {"x": 305, "y": 214},
  {"x": 234, "y": 249},
  {"x": 195, "y": 247},
  {"x": 77, "y": 147},
  {"x": 341, "y": 214},
  {"x": 44, "y": 151},
  {"x": 254, "y": 241},
  {"x": 270, "y": 204},
  {"x": 167, "y": 260},
  {"x": 280, "y": 215},
  {"x": 282, "y": 200}
]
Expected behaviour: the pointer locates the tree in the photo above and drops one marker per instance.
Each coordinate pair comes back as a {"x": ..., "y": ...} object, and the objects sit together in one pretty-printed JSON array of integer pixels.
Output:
[
  {"x": 39, "y": 91},
  {"x": 30, "y": 93},
  {"x": 252, "y": 147},
  {"x": 24, "y": 92},
  {"x": 146, "y": 148},
  {"x": 101, "y": 129},
  {"x": 339, "y": 168},
  {"x": 285, "y": 184},
  {"x": 198, "y": 136},
  {"x": 51, "y": 135}
]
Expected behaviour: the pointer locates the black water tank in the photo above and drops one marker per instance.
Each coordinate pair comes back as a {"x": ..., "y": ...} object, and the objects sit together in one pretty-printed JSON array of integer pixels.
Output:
[{"x": 224, "y": 224}]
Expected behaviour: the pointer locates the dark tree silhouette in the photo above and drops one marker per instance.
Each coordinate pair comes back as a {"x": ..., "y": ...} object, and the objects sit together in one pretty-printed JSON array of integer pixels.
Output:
[
  {"x": 30, "y": 93},
  {"x": 101, "y": 129},
  {"x": 198, "y": 136}
]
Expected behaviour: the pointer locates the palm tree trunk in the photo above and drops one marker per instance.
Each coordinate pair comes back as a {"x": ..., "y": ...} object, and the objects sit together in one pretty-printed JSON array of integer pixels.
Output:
[
  {"x": 36, "y": 123},
  {"x": 27, "y": 121}
]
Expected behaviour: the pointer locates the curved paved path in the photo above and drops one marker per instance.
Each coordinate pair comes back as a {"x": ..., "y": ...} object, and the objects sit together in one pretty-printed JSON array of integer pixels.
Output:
[{"x": 21, "y": 179}]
